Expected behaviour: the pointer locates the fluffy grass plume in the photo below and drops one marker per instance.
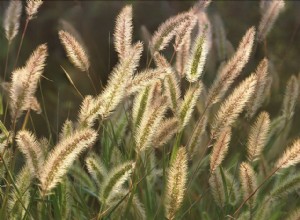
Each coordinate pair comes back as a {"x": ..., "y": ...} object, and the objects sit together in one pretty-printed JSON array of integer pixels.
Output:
[
  {"x": 32, "y": 7},
  {"x": 232, "y": 68},
  {"x": 144, "y": 78},
  {"x": 233, "y": 105},
  {"x": 29, "y": 146},
  {"x": 96, "y": 168},
  {"x": 172, "y": 90},
  {"x": 166, "y": 131},
  {"x": 249, "y": 182},
  {"x": 217, "y": 188},
  {"x": 24, "y": 82},
  {"x": 62, "y": 157},
  {"x": 176, "y": 184},
  {"x": 11, "y": 21},
  {"x": 290, "y": 157},
  {"x": 167, "y": 30},
  {"x": 123, "y": 32},
  {"x": 197, "y": 58},
  {"x": 269, "y": 16},
  {"x": 150, "y": 122},
  {"x": 258, "y": 97},
  {"x": 220, "y": 149},
  {"x": 196, "y": 137},
  {"x": 258, "y": 136},
  {"x": 114, "y": 181},
  {"x": 183, "y": 35},
  {"x": 290, "y": 97},
  {"x": 75, "y": 52},
  {"x": 188, "y": 104}
]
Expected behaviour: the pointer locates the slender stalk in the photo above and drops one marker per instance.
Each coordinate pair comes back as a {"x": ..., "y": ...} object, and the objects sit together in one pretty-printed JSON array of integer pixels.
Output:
[
  {"x": 21, "y": 42},
  {"x": 6, "y": 60},
  {"x": 253, "y": 193}
]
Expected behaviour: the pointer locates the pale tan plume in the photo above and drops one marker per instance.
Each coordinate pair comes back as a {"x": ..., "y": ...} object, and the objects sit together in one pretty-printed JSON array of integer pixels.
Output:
[
  {"x": 220, "y": 149},
  {"x": 11, "y": 21},
  {"x": 271, "y": 12},
  {"x": 176, "y": 184},
  {"x": 248, "y": 182},
  {"x": 25, "y": 80},
  {"x": 233, "y": 105},
  {"x": 75, "y": 52},
  {"x": 123, "y": 32},
  {"x": 258, "y": 136},
  {"x": 232, "y": 68},
  {"x": 290, "y": 157},
  {"x": 259, "y": 94},
  {"x": 32, "y": 8},
  {"x": 167, "y": 30}
]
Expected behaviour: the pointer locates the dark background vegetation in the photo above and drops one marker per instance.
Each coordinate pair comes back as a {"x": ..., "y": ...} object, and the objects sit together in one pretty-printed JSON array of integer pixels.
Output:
[{"x": 95, "y": 20}]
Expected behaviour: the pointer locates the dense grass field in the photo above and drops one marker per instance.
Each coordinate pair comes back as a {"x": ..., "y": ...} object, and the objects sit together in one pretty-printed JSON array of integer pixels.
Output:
[{"x": 149, "y": 117}]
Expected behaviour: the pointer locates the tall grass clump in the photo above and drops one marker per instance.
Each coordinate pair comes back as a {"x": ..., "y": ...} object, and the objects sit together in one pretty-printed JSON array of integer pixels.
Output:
[{"x": 188, "y": 125}]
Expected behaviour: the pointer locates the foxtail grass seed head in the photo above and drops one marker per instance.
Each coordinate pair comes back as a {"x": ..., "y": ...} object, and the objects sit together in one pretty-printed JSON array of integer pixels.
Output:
[
  {"x": 96, "y": 168},
  {"x": 176, "y": 184},
  {"x": 294, "y": 215},
  {"x": 123, "y": 32},
  {"x": 121, "y": 75},
  {"x": 220, "y": 149},
  {"x": 271, "y": 13},
  {"x": 75, "y": 52},
  {"x": 259, "y": 94},
  {"x": 166, "y": 131},
  {"x": 29, "y": 146},
  {"x": 217, "y": 188},
  {"x": 285, "y": 187},
  {"x": 290, "y": 157},
  {"x": 197, "y": 58},
  {"x": 182, "y": 57},
  {"x": 258, "y": 136},
  {"x": 172, "y": 90},
  {"x": 143, "y": 79},
  {"x": 187, "y": 105},
  {"x": 25, "y": 80},
  {"x": 249, "y": 182},
  {"x": 149, "y": 124},
  {"x": 290, "y": 97},
  {"x": 184, "y": 32},
  {"x": 112, "y": 184},
  {"x": 167, "y": 30},
  {"x": 232, "y": 68},
  {"x": 62, "y": 157},
  {"x": 233, "y": 105},
  {"x": 11, "y": 22},
  {"x": 32, "y": 7},
  {"x": 161, "y": 61}
]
